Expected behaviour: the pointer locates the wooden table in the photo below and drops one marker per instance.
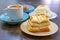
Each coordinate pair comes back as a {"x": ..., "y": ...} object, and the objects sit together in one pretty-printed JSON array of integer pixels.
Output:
[{"x": 8, "y": 32}]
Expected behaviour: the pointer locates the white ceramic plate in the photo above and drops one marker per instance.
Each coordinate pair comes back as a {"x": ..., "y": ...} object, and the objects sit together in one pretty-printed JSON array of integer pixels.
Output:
[
  {"x": 53, "y": 15},
  {"x": 53, "y": 29}
]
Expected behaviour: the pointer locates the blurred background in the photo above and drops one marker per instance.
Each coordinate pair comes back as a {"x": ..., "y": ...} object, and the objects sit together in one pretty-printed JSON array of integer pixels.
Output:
[{"x": 5, "y": 3}]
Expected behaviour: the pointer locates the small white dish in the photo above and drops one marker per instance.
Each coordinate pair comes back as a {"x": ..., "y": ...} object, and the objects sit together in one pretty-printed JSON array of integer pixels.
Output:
[
  {"x": 53, "y": 29},
  {"x": 53, "y": 15}
]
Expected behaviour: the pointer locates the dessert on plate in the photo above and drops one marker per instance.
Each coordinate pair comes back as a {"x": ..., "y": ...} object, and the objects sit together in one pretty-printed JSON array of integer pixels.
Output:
[
  {"x": 25, "y": 7},
  {"x": 43, "y": 9},
  {"x": 38, "y": 23}
]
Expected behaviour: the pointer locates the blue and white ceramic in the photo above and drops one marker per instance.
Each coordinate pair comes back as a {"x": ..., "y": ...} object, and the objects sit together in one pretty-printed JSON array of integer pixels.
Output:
[
  {"x": 4, "y": 18},
  {"x": 14, "y": 13}
]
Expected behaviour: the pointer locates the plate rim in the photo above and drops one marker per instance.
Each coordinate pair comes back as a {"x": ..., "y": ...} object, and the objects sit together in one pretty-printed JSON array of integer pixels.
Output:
[
  {"x": 40, "y": 35},
  {"x": 53, "y": 16}
]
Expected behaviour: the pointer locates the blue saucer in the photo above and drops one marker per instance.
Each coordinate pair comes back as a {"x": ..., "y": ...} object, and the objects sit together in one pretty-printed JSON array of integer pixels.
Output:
[
  {"x": 4, "y": 18},
  {"x": 31, "y": 8}
]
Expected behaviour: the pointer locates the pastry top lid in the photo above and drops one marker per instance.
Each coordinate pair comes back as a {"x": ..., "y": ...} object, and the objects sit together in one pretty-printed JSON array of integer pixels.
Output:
[{"x": 39, "y": 18}]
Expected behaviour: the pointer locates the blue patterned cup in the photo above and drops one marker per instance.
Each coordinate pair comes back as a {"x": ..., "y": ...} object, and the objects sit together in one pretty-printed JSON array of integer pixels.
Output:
[{"x": 14, "y": 13}]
